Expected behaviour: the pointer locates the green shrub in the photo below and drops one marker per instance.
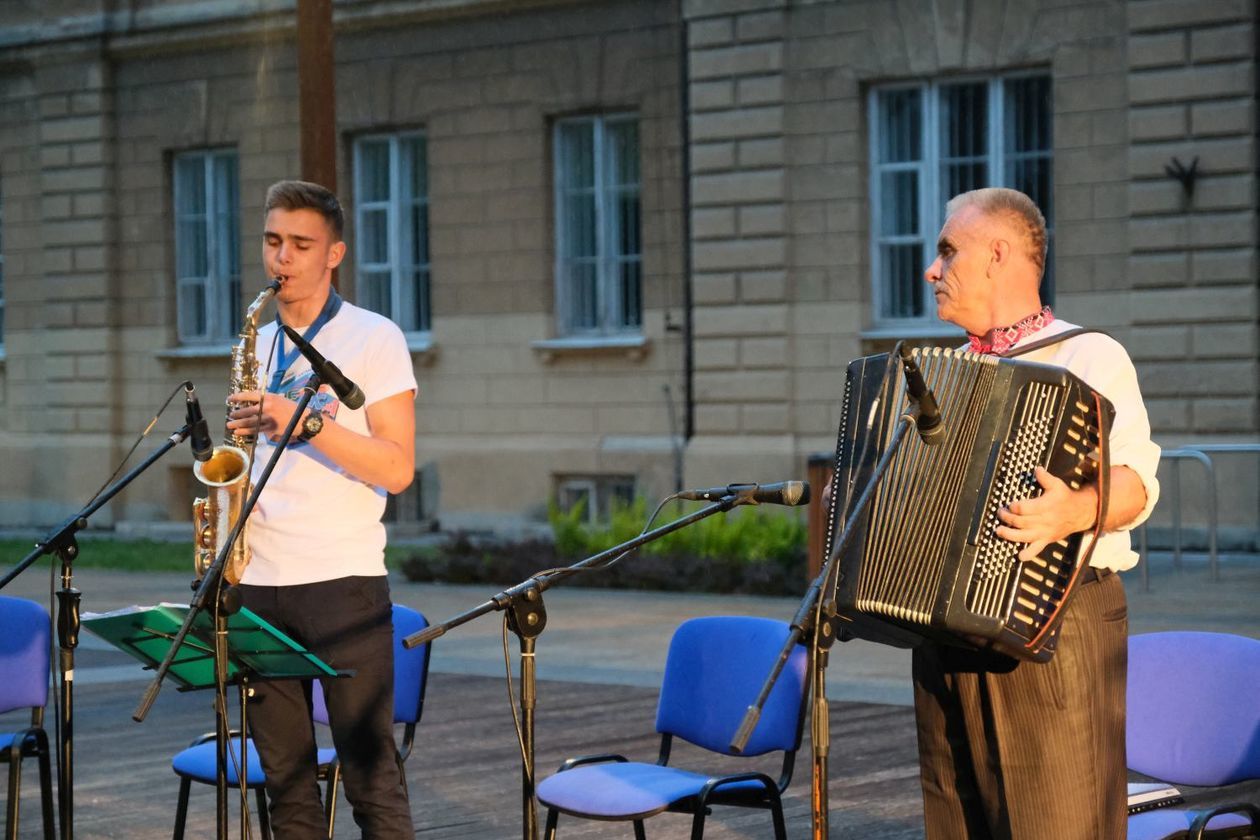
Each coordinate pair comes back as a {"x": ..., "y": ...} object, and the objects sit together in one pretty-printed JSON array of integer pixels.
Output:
[{"x": 759, "y": 551}]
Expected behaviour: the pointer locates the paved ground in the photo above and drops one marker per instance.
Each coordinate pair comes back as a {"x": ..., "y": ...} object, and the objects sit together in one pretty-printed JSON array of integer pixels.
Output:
[
  {"x": 598, "y": 661},
  {"x": 619, "y": 637}
]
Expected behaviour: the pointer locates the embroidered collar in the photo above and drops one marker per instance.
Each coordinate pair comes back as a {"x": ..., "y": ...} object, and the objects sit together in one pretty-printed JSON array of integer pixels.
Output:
[{"x": 1005, "y": 338}]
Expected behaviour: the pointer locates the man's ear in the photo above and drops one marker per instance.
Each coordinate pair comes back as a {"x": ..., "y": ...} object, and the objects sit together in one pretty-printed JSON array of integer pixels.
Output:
[
  {"x": 336, "y": 253},
  {"x": 999, "y": 255}
]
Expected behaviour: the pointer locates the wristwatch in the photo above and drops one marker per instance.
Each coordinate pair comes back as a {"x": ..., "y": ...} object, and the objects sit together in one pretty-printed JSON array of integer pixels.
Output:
[{"x": 311, "y": 426}]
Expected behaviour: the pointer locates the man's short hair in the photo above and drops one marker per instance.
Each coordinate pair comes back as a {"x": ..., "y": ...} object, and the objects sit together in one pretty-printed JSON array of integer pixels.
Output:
[
  {"x": 1014, "y": 207},
  {"x": 303, "y": 195}
]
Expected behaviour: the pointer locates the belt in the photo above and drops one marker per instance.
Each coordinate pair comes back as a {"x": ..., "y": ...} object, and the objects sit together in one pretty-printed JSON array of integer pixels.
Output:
[{"x": 1093, "y": 573}]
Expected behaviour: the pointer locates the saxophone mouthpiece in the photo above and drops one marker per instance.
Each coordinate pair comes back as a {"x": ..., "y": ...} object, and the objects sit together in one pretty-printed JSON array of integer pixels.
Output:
[{"x": 273, "y": 285}]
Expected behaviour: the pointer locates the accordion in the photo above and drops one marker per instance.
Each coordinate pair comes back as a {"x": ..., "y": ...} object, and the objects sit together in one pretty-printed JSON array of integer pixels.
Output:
[{"x": 923, "y": 561}]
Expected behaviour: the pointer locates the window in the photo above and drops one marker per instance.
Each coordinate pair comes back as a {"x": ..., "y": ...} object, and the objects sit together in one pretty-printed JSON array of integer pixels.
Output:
[
  {"x": 207, "y": 246},
  {"x": 597, "y": 492},
  {"x": 391, "y": 206},
  {"x": 598, "y": 249},
  {"x": 931, "y": 141}
]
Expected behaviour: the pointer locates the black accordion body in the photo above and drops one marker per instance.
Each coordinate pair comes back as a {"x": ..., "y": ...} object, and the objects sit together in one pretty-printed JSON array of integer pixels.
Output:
[{"x": 923, "y": 562}]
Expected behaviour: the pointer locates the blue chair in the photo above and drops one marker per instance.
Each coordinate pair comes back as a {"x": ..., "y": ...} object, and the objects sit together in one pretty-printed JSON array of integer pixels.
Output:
[
  {"x": 713, "y": 672},
  {"x": 25, "y": 636},
  {"x": 411, "y": 669},
  {"x": 1194, "y": 719}
]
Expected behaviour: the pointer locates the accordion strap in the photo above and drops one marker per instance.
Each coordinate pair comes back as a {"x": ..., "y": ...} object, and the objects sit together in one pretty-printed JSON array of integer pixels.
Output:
[
  {"x": 1052, "y": 340},
  {"x": 1103, "y": 483}
]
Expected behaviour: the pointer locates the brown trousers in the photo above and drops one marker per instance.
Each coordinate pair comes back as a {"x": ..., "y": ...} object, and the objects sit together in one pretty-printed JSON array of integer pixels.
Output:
[{"x": 1026, "y": 751}]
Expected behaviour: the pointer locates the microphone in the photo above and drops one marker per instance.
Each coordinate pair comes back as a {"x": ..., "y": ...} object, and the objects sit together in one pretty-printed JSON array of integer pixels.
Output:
[
  {"x": 790, "y": 493},
  {"x": 931, "y": 432},
  {"x": 346, "y": 390},
  {"x": 199, "y": 434}
]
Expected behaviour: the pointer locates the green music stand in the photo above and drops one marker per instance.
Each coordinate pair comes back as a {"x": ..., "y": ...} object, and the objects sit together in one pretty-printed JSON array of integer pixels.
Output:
[{"x": 255, "y": 649}]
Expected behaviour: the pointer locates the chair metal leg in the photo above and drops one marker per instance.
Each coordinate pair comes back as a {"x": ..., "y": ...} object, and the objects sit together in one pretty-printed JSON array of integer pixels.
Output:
[
  {"x": 697, "y": 824},
  {"x": 181, "y": 808},
  {"x": 776, "y": 811},
  {"x": 15, "y": 789},
  {"x": 549, "y": 832},
  {"x": 638, "y": 830},
  {"x": 264, "y": 817},
  {"x": 45, "y": 788}
]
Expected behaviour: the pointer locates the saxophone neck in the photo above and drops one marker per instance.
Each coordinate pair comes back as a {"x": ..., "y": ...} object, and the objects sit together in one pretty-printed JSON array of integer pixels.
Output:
[{"x": 249, "y": 326}]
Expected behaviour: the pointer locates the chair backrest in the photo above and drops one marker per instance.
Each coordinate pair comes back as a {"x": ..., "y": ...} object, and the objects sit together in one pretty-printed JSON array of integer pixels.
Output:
[
  {"x": 411, "y": 671},
  {"x": 25, "y": 631},
  {"x": 714, "y": 671},
  {"x": 1193, "y": 712}
]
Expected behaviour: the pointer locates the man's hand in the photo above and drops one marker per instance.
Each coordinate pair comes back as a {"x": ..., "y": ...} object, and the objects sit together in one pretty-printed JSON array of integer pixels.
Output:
[
  {"x": 1058, "y": 512},
  {"x": 250, "y": 417}
]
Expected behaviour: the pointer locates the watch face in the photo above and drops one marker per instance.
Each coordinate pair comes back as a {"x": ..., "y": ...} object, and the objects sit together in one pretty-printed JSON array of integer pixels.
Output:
[{"x": 312, "y": 424}]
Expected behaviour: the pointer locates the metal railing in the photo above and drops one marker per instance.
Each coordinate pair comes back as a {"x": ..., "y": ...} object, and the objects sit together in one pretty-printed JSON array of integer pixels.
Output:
[
  {"x": 1201, "y": 453},
  {"x": 1175, "y": 457}
]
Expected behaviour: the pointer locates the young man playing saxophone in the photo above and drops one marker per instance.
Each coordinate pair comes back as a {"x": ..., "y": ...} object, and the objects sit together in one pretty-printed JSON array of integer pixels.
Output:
[{"x": 317, "y": 569}]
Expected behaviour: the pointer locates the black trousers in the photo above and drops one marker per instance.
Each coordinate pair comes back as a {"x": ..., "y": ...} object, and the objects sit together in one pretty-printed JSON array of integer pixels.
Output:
[
  {"x": 1027, "y": 751},
  {"x": 348, "y": 623}
]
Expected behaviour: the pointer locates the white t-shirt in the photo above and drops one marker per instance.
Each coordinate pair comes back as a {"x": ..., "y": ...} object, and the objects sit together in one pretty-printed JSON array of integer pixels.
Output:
[
  {"x": 313, "y": 521},
  {"x": 1104, "y": 365}
]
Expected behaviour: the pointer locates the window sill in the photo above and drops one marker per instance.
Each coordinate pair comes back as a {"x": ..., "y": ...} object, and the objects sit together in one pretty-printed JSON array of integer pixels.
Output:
[
  {"x": 422, "y": 348},
  {"x": 195, "y": 351},
  {"x": 883, "y": 339},
  {"x": 631, "y": 346}
]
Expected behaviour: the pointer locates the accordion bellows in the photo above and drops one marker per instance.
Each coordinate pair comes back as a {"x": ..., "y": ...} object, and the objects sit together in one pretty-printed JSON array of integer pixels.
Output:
[{"x": 923, "y": 561}]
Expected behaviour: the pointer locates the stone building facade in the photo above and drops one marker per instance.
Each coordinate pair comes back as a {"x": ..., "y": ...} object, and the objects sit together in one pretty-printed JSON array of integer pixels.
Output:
[{"x": 767, "y": 174}]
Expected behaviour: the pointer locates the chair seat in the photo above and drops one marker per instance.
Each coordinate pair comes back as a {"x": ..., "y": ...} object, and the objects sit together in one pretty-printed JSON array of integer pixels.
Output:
[
  {"x": 198, "y": 763},
  {"x": 1162, "y": 823},
  {"x": 627, "y": 790}
]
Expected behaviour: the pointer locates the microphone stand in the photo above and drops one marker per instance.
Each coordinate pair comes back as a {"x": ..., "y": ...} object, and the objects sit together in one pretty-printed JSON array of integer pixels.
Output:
[
  {"x": 527, "y": 618},
  {"x": 817, "y": 617},
  {"x": 62, "y": 542},
  {"x": 212, "y": 582}
]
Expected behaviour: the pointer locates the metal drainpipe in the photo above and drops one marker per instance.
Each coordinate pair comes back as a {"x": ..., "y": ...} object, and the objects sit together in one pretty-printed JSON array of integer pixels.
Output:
[{"x": 684, "y": 101}]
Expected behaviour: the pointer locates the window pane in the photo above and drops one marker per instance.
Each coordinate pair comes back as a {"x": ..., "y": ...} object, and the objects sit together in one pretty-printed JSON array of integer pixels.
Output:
[
  {"x": 900, "y": 126},
  {"x": 964, "y": 120},
  {"x": 623, "y": 153},
  {"x": 630, "y": 277},
  {"x": 419, "y": 159},
  {"x": 964, "y": 138},
  {"x": 192, "y": 309},
  {"x": 373, "y": 170},
  {"x": 420, "y": 235},
  {"x": 374, "y": 237},
  {"x": 902, "y": 281},
  {"x": 579, "y": 225},
  {"x": 1028, "y": 114},
  {"x": 583, "y": 301},
  {"x": 899, "y": 203},
  {"x": 192, "y": 259},
  {"x": 190, "y": 185},
  {"x": 626, "y": 225},
  {"x": 373, "y": 291},
  {"x": 577, "y": 155},
  {"x": 420, "y": 304}
]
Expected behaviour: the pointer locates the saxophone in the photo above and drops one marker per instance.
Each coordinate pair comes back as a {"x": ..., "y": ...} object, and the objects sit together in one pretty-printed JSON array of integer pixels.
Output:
[{"x": 226, "y": 473}]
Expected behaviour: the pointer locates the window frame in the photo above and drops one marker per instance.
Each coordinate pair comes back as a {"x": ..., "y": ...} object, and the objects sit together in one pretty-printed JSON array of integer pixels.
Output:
[
  {"x": 220, "y": 287},
  {"x": 931, "y": 200},
  {"x": 611, "y": 318},
  {"x": 400, "y": 200}
]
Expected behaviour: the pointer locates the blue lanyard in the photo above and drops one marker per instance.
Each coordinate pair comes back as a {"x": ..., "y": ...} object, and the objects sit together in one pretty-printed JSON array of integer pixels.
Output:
[{"x": 285, "y": 358}]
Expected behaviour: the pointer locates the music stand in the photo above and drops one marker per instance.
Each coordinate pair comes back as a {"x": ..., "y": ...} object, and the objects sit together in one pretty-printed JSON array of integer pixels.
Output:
[{"x": 254, "y": 649}]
